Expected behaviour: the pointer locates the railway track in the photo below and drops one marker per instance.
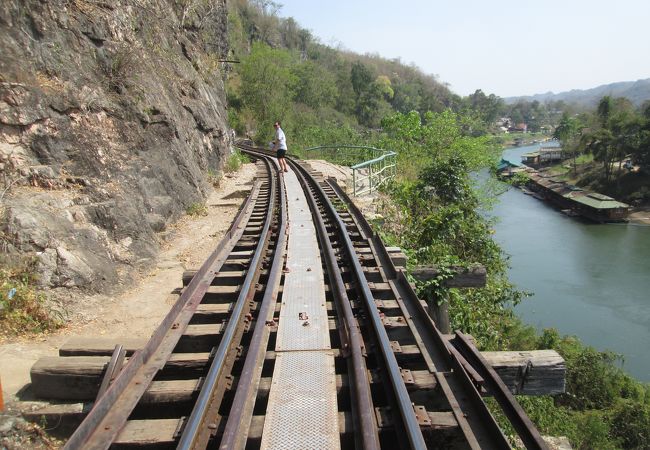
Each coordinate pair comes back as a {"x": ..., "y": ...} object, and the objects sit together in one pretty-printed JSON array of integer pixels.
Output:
[{"x": 299, "y": 332}]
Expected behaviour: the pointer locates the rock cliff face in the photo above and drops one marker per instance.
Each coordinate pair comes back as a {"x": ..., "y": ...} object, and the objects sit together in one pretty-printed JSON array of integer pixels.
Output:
[{"x": 111, "y": 118}]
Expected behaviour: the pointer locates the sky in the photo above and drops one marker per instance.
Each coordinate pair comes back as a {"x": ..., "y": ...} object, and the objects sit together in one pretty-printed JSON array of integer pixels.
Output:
[{"x": 504, "y": 48}]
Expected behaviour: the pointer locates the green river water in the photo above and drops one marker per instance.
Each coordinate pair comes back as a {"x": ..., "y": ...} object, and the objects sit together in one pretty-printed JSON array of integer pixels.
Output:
[{"x": 588, "y": 280}]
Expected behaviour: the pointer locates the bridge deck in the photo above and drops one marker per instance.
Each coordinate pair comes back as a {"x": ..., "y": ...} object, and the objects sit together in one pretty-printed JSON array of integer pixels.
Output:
[{"x": 302, "y": 411}]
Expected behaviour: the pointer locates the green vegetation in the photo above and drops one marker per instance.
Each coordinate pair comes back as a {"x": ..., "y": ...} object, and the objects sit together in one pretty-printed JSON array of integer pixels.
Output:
[
  {"x": 519, "y": 179},
  {"x": 234, "y": 162},
  {"x": 321, "y": 95},
  {"x": 610, "y": 149},
  {"x": 602, "y": 407},
  {"x": 197, "y": 209},
  {"x": 22, "y": 306},
  {"x": 325, "y": 97}
]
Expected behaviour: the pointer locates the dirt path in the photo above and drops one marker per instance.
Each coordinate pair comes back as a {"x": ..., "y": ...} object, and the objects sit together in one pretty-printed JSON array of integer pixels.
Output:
[{"x": 137, "y": 311}]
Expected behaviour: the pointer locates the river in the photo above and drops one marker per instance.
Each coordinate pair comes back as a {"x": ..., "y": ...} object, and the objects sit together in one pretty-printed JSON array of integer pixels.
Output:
[{"x": 588, "y": 280}]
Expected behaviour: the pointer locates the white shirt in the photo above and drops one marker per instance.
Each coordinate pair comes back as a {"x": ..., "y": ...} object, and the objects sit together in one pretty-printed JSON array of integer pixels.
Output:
[{"x": 280, "y": 139}]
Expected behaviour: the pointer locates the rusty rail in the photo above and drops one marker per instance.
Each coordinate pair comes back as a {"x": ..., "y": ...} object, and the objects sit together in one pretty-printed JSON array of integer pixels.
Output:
[
  {"x": 198, "y": 426},
  {"x": 107, "y": 417}
]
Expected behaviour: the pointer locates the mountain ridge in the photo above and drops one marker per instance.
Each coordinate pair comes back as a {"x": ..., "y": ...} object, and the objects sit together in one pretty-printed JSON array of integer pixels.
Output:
[{"x": 636, "y": 91}]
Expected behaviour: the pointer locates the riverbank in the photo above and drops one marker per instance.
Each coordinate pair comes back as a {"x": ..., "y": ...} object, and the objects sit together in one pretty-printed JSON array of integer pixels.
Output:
[{"x": 640, "y": 215}]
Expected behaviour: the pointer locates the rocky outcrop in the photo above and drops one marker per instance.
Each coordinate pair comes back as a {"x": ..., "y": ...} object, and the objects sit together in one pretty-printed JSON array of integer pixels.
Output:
[{"x": 111, "y": 117}]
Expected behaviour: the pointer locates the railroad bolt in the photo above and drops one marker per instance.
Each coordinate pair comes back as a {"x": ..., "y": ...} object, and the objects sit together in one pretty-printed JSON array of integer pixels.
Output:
[{"x": 212, "y": 426}]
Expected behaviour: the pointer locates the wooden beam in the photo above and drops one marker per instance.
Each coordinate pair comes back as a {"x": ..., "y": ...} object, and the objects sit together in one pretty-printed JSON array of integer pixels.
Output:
[
  {"x": 540, "y": 372},
  {"x": 472, "y": 277},
  {"x": 396, "y": 255},
  {"x": 463, "y": 278}
]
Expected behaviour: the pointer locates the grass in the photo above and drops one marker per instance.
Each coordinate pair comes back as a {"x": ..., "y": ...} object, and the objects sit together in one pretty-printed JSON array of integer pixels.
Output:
[
  {"x": 234, "y": 162},
  {"x": 197, "y": 209},
  {"x": 22, "y": 306}
]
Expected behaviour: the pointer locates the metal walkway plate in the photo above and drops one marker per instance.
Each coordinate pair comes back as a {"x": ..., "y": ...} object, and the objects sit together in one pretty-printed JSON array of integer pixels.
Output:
[
  {"x": 303, "y": 321},
  {"x": 302, "y": 411}
]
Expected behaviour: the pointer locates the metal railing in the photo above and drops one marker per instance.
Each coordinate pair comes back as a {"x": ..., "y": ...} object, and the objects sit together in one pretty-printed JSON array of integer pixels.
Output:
[{"x": 371, "y": 167}]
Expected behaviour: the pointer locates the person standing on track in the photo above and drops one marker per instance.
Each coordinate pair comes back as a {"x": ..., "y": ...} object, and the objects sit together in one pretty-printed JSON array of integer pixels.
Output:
[{"x": 280, "y": 146}]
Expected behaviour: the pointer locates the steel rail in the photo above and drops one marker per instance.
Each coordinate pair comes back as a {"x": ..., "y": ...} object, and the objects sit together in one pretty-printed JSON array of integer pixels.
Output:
[
  {"x": 109, "y": 414},
  {"x": 363, "y": 407},
  {"x": 406, "y": 411},
  {"x": 238, "y": 423},
  {"x": 196, "y": 432},
  {"x": 474, "y": 418},
  {"x": 524, "y": 427}
]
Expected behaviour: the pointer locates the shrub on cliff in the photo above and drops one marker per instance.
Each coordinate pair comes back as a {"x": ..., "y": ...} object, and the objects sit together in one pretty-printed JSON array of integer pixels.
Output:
[{"x": 22, "y": 307}]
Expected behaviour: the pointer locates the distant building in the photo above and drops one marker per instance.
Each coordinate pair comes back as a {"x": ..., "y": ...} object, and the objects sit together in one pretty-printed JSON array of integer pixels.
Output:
[
  {"x": 545, "y": 155},
  {"x": 519, "y": 128},
  {"x": 550, "y": 154},
  {"x": 504, "y": 122},
  {"x": 577, "y": 201}
]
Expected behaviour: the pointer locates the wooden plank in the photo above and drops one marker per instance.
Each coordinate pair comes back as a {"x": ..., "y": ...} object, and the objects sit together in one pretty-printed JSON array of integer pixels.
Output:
[
  {"x": 463, "y": 277},
  {"x": 146, "y": 432},
  {"x": 91, "y": 346},
  {"x": 59, "y": 419},
  {"x": 73, "y": 377},
  {"x": 539, "y": 372},
  {"x": 199, "y": 338},
  {"x": 171, "y": 391},
  {"x": 163, "y": 431},
  {"x": 78, "y": 378}
]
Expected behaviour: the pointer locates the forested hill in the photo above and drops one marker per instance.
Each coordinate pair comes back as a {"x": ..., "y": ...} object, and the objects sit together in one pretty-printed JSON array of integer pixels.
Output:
[
  {"x": 286, "y": 73},
  {"x": 635, "y": 91},
  {"x": 326, "y": 95}
]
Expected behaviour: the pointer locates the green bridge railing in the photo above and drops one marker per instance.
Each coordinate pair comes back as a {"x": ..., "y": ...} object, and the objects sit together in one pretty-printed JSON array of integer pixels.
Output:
[{"x": 371, "y": 167}]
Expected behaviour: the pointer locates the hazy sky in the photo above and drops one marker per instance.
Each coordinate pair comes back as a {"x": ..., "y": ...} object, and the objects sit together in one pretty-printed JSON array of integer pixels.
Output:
[{"x": 505, "y": 48}]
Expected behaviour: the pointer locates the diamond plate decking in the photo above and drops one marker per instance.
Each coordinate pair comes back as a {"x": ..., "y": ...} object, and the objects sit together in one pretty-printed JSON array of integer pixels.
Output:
[{"x": 302, "y": 410}]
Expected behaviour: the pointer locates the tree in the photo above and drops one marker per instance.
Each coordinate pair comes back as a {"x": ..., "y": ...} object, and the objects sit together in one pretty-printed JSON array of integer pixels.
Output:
[
  {"x": 600, "y": 144},
  {"x": 361, "y": 77},
  {"x": 642, "y": 153},
  {"x": 406, "y": 97},
  {"x": 604, "y": 110},
  {"x": 315, "y": 86},
  {"x": 617, "y": 136},
  {"x": 488, "y": 107},
  {"x": 267, "y": 85},
  {"x": 568, "y": 133},
  {"x": 372, "y": 106}
]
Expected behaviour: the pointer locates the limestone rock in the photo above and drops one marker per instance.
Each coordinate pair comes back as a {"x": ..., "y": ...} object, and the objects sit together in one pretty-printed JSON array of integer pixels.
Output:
[{"x": 110, "y": 121}]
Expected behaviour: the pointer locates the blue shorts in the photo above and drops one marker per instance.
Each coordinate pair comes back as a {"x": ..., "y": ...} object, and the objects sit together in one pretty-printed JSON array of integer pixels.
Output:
[{"x": 281, "y": 152}]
